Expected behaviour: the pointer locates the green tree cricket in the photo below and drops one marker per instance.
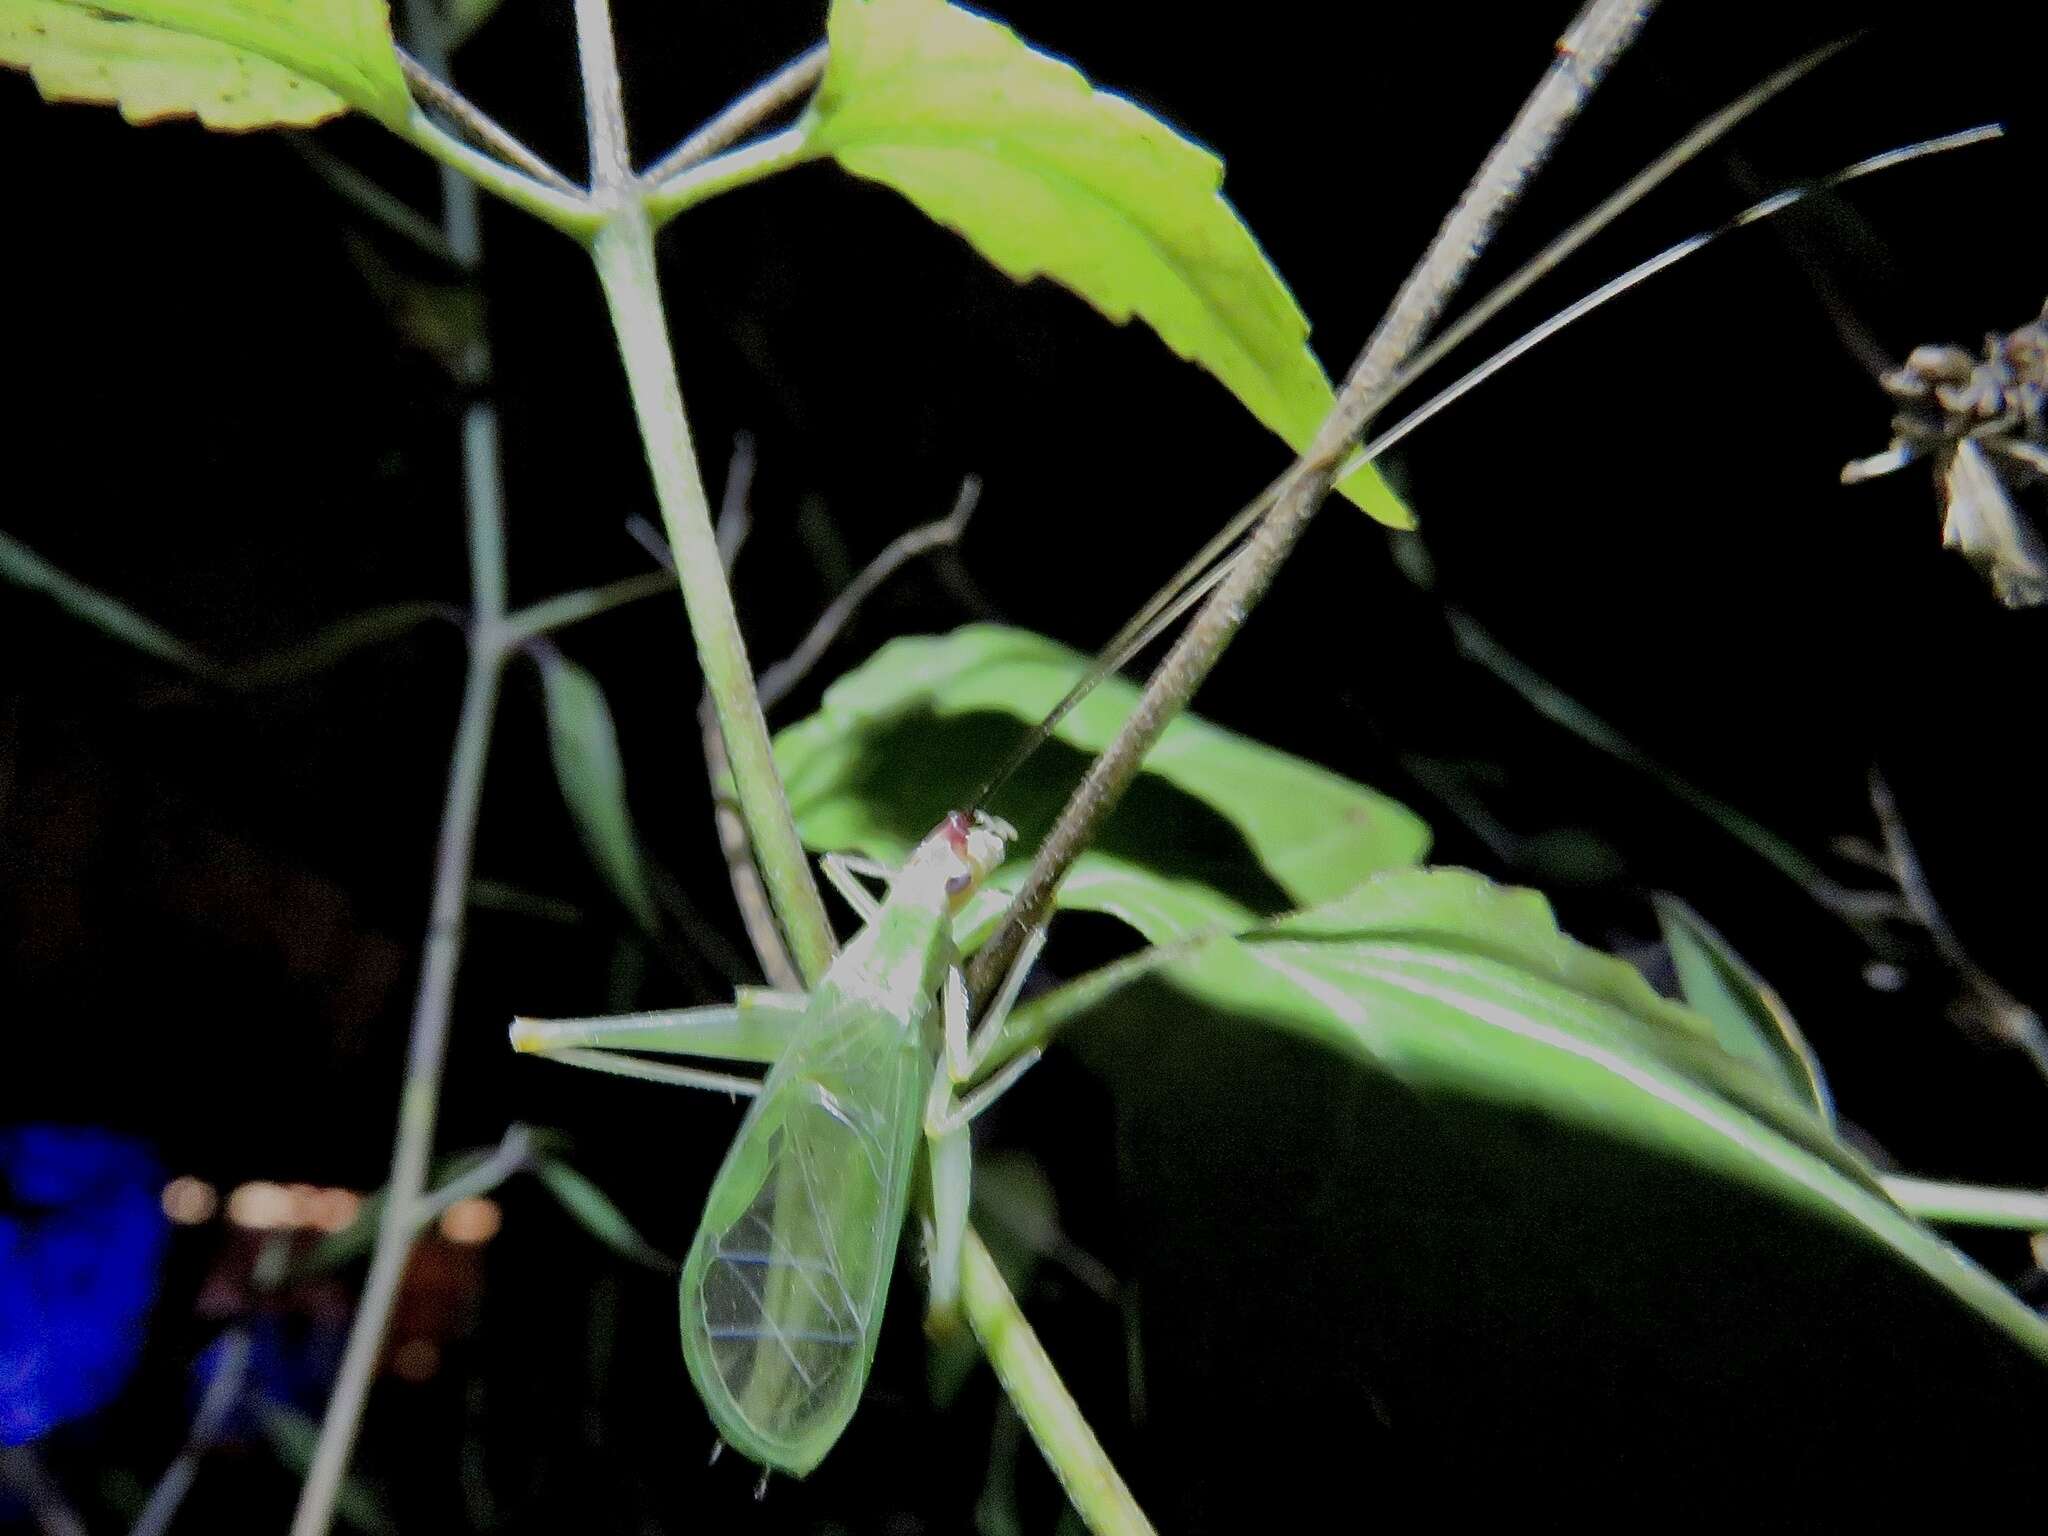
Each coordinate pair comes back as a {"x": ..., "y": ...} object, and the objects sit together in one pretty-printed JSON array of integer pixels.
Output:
[{"x": 784, "y": 1287}]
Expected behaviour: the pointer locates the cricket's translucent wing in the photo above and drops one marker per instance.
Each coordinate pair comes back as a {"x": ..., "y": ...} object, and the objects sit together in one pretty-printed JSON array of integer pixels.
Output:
[{"x": 784, "y": 1287}]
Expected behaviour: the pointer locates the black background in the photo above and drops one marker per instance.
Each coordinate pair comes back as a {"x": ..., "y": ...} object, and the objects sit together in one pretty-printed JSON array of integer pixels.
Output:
[{"x": 211, "y": 904}]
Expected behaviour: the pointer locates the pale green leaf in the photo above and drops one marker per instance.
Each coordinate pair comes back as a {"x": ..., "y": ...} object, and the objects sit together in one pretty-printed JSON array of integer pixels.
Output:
[
  {"x": 1047, "y": 176},
  {"x": 585, "y": 747},
  {"x": 594, "y": 1211},
  {"x": 233, "y": 64},
  {"x": 1463, "y": 992},
  {"x": 1750, "y": 1020},
  {"x": 913, "y": 732}
]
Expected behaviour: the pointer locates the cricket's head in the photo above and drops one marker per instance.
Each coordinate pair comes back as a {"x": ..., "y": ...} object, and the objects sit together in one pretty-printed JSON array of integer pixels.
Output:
[{"x": 962, "y": 851}]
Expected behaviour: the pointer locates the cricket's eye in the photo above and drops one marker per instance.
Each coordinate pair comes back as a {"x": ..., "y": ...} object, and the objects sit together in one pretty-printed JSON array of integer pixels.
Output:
[
  {"x": 961, "y": 883},
  {"x": 955, "y": 828}
]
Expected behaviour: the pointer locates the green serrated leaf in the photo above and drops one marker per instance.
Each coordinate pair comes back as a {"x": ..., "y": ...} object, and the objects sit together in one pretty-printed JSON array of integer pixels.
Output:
[
  {"x": 233, "y": 64},
  {"x": 1047, "y": 176},
  {"x": 592, "y": 1209},
  {"x": 585, "y": 747},
  {"x": 910, "y": 734},
  {"x": 1463, "y": 991},
  {"x": 1749, "y": 1019}
]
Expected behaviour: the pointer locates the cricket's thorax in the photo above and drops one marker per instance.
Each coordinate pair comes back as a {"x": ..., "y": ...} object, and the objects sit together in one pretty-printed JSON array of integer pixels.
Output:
[{"x": 898, "y": 961}]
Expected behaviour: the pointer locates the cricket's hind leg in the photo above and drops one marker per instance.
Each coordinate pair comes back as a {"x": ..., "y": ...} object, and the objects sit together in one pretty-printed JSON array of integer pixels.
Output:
[{"x": 755, "y": 1028}]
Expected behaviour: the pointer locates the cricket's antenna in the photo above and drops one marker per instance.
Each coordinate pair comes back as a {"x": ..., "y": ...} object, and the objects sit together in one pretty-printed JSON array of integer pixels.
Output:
[
  {"x": 1777, "y": 202},
  {"x": 1199, "y": 575},
  {"x": 1211, "y": 564},
  {"x": 1152, "y": 622}
]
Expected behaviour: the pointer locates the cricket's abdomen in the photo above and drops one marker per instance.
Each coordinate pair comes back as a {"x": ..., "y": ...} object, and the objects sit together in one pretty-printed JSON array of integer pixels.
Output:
[{"x": 784, "y": 1287}]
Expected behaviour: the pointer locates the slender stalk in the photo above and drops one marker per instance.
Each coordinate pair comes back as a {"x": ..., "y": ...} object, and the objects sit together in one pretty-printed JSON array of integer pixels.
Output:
[
  {"x": 604, "y": 100},
  {"x": 560, "y": 612},
  {"x": 514, "y": 1154},
  {"x": 778, "y": 681},
  {"x": 572, "y": 213},
  {"x": 479, "y": 126},
  {"x": 433, "y": 1004},
  {"x": 735, "y": 168},
  {"x": 418, "y": 1101},
  {"x": 624, "y": 253},
  {"x": 1091, "y": 1481},
  {"x": 1602, "y": 32},
  {"x": 22, "y": 1474},
  {"x": 794, "y": 80},
  {"x": 1970, "y": 1205}
]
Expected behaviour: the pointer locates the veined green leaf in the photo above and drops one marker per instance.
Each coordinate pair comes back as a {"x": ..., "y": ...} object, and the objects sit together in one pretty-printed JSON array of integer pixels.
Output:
[
  {"x": 908, "y": 735},
  {"x": 1047, "y": 176},
  {"x": 1466, "y": 993},
  {"x": 585, "y": 746},
  {"x": 594, "y": 1211},
  {"x": 1749, "y": 1019},
  {"x": 233, "y": 64}
]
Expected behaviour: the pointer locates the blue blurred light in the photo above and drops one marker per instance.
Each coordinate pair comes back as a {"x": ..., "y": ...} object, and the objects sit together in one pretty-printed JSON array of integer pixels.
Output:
[{"x": 81, "y": 1237}]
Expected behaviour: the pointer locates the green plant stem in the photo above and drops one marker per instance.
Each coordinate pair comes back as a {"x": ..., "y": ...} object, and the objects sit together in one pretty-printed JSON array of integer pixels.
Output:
[
  {"x": 405, "y": 1207},
  {"x": 796, "y": 79},
  {"x": 624, "y": 253},
  {"x": 1092, "y": 1484},
  {"x": 735, "y": 168},
  {"x": 573, "y": 214},
  {"x": 418, "y": 1101},
  {"x": 1970, "y": 1205},
  {"x": 553, "y": 613},
  {"x": 480, "y": 127}
]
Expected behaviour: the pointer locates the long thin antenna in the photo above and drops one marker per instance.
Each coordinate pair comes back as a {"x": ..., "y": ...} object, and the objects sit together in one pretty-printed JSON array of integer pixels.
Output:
[
  {"x": 1112, "y": 659},
  {"x": 1199, "y": 576},
  {"x": 1703, "y": 134},
  {"x": 1777, "y": 202}
]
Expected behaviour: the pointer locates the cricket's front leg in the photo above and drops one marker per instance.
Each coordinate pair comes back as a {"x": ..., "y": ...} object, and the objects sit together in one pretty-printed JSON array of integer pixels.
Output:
[
  {"x": 756, "y": 1027},
  {"x": 947, "y": 1117}
]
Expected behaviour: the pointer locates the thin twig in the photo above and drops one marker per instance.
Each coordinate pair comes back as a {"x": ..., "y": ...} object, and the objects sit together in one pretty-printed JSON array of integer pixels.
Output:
[
  {"x": 433, "y": 1005},
  {"x": 749, "y": 894},
  {"x": 777, "y": 681},
  {"x": 788, "y": 84},
  {"x": 2002, "y": 1014},
  {"x": 23, "y": 1474},
  {"x": 513, "y": 1155},
  {"x": 1601, "y": 33},
  {"x": 553, "y": 613},
  {"x": 476, "y": 125},
  {"x": 372, "y": 197},
  {"x": 222, "y": 1394},
  {"x": 1969, "y": 1205}
]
